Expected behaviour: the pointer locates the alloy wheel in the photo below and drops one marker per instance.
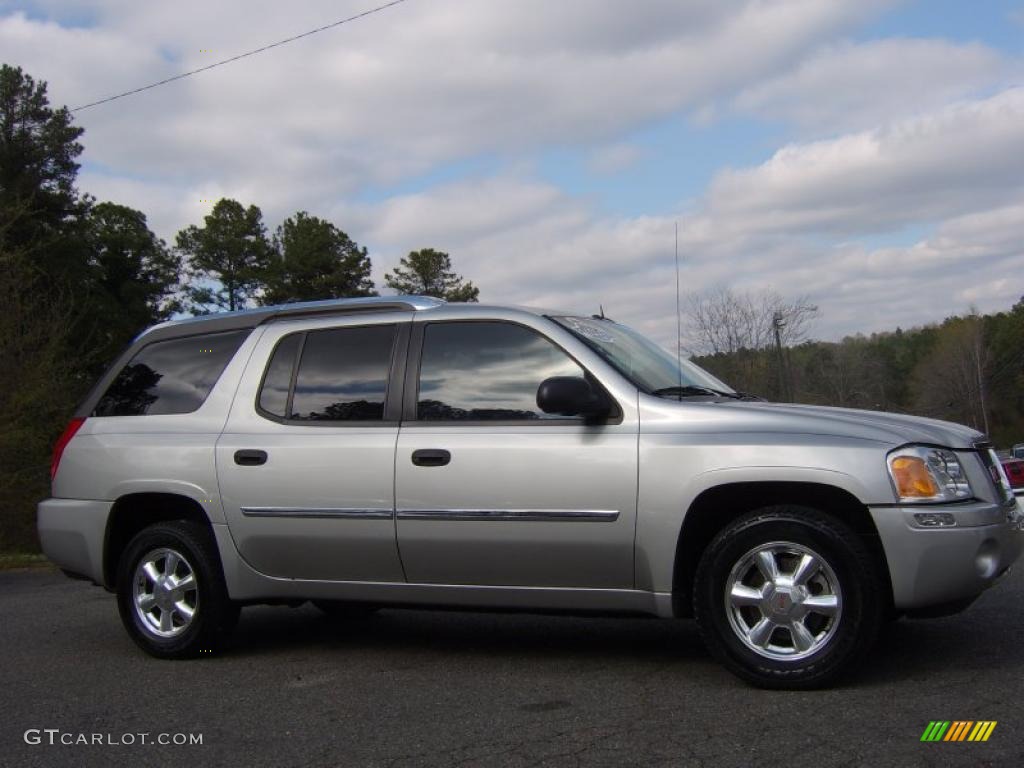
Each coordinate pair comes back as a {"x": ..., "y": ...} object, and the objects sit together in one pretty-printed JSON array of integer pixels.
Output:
[
  {"x": 783, "y": 601},
  {"x": 166, "y": 595}
]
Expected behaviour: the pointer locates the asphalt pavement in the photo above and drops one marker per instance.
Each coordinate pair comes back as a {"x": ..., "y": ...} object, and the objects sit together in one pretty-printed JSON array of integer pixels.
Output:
[{"x": 418, "y": 688}]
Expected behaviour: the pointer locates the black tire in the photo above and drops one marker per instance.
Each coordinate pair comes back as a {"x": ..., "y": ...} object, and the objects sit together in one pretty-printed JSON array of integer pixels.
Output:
[
  {"x": 215, "y": 615},
  {"x": 342, "y": 610},
  {"x": 843, "y": 641}
]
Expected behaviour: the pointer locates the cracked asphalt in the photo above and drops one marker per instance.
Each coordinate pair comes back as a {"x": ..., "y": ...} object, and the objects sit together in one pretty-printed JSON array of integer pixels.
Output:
[{"x": 417, "y": 688}]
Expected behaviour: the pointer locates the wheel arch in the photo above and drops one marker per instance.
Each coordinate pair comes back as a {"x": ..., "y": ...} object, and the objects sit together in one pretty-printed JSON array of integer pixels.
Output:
[
  {"x": 714, "y": 508},
  {"x": 133, "y": 512}
]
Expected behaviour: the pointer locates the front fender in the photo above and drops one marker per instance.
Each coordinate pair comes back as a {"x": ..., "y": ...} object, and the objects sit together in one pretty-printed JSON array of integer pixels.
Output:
[{"x": 674, "y": 473}]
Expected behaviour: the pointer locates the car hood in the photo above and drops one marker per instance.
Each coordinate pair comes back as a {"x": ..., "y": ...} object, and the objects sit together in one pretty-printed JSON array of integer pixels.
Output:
[{"x": 892, "y": 428}]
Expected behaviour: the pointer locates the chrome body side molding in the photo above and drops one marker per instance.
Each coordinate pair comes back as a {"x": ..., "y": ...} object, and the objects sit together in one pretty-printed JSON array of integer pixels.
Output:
[
  {"x": 319, "y": 512},
  {"x": 534, "y": 515}
]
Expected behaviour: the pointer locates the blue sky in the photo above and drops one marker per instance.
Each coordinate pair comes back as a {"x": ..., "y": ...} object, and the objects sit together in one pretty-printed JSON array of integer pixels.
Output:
[{"x": 865, "y": 155}]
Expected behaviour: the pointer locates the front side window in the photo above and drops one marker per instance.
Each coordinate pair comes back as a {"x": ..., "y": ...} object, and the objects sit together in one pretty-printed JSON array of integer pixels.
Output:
[
  {"x": 342, "y": 375},
  {"x": 173, "y": 376},
  {"x": 486, "y": 371}
]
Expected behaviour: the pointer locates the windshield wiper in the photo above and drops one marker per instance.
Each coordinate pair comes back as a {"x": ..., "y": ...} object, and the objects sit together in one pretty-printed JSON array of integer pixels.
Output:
[
  {"x": 688, "y": 390},
  {"x": 748, "y": 396},
  {"x": 692, "y": 390}
]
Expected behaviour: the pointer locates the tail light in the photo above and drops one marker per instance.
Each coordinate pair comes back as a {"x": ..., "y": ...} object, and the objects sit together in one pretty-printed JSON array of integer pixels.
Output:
[{"x": 62, "y": 443}]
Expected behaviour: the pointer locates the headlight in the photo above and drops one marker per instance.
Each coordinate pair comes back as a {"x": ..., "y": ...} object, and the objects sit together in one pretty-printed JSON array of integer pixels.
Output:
[{"x": 921, "y": 474}]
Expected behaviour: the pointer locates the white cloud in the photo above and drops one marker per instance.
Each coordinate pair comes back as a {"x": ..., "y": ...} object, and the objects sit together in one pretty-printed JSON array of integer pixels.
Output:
[
  {"x": 792, "y": 223},
  {"x": 847, "y": 86},
  {"x": 402, "y": 91},
  {"x": 962, "y": 157},
  {"x": 314, "y": 124}
]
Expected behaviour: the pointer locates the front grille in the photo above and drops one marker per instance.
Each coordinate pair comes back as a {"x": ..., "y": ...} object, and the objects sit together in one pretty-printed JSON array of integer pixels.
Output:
[{"x": 995, "y": 471}]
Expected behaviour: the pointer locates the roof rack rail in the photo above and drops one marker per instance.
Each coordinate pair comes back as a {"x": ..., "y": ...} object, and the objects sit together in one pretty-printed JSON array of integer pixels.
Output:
[
  {"x": 332, "y": 306},
  {"x": 250, "y": 318}
]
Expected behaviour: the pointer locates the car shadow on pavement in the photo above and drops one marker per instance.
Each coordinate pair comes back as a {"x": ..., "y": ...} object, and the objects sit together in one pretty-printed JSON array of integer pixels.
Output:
[
  {"x": 965, "y": 646},
  {"x": 264, "y": 630}
]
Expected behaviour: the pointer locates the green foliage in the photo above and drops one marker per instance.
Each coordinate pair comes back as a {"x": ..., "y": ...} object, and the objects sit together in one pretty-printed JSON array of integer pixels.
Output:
[
  {"x": 134, "y": 274},
  {"x": 429, "y": 273},
  {"x": 77, "y": 281},
  {"x": 313, "y": 259},
  {"x": 228, "y": 257},
  {"x": 38, "y": 151},
  {"x": 42, "y": 383},
  {"x": 41, "y": 259}
]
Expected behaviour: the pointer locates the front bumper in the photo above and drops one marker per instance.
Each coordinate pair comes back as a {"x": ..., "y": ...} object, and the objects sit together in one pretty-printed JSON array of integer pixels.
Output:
[
  {"x": 72, "y": 533},
  {"x": 938, "y": 566}
]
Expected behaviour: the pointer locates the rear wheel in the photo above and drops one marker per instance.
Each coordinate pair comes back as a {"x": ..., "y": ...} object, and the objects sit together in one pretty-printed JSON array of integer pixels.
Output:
[
  {"x": 171, "y": 593},
  {"x": 788, "y": 597}
]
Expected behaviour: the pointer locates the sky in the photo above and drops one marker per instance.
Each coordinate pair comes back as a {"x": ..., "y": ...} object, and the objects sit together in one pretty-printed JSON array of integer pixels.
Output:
[{"x": 866, "y": 155}]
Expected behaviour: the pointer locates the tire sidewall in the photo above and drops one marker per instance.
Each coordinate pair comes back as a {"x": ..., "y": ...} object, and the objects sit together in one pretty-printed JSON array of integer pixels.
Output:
[
  {"x": 212, "y": 617},
  {"x": 836, "y": 546}
]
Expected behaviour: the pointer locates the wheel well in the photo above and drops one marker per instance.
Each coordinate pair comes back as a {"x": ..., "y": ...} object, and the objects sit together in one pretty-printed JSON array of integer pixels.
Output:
[
  {"x": 131, "y": 513},
  {"x": 716, "y": 507}
]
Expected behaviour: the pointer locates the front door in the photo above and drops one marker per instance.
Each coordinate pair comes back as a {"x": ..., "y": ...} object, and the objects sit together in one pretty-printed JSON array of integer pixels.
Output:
[
  {"x": 491, "y": 491},
  {"x": 306, "y": 461}
]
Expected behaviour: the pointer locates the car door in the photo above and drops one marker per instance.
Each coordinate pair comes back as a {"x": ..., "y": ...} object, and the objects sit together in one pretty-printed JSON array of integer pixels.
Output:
[
  {"x": 306, "y": 461},
  {"x": 489, "y": 490}
]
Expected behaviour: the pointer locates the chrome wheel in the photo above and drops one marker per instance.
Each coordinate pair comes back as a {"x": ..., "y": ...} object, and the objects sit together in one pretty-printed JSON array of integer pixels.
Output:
[
  {"x": 165, "y": 594},
  {"x": 783, "y": 601}
]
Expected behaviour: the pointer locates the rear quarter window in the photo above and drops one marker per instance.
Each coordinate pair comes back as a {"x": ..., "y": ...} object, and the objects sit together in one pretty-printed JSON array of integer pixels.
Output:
[{"x": 173, "y": 376}]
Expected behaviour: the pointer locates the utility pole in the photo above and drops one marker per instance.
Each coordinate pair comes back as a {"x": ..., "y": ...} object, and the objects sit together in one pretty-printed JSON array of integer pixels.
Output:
[
  {"x": 978, "y": 331},
  {"x": 777, "y": 326}
]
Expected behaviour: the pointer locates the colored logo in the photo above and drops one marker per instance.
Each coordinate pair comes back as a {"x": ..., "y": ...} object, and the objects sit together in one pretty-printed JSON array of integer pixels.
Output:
[{"x": 958, "y": 730}]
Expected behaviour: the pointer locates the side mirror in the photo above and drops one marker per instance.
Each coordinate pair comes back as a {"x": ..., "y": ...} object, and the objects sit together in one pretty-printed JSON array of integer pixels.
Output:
[{"x": 571, "y": 396}]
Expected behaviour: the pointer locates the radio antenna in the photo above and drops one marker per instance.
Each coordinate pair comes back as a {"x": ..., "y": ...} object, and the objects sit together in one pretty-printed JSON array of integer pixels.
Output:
[{"x": 679, "y": 321}]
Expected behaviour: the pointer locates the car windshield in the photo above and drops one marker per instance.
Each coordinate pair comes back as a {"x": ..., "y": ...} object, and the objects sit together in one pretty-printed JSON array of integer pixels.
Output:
[{"x": 647, "y": 365}]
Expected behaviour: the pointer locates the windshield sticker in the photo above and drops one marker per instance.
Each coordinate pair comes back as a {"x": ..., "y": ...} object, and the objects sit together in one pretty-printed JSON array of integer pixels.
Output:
[{"x": 590, "y": 330}]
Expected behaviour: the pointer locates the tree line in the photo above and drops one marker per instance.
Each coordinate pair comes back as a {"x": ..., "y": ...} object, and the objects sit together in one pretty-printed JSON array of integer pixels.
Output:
[
  {"x": 79, "y": 278},
  {"x": 967, "y": 369}
]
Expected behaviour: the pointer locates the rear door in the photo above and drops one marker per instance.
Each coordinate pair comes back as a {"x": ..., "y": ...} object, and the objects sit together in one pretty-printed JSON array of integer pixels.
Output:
[
  {"x": 306, "y": 462},
  {"x": 490, "y": 491}
]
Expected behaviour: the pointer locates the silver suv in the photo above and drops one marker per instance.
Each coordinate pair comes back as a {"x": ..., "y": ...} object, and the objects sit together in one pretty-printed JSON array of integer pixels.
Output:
[{"x": 403, "y": 451}]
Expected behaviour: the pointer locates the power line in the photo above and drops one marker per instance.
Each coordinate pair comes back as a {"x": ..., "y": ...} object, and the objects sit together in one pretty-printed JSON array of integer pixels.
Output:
[{"x": 183, "y": 75}]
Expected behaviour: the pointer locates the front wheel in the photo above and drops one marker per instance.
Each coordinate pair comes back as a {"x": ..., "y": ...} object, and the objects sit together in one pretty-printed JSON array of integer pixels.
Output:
[
  {"x": 788, "y": 597},
  {"x": 171, "y": 593}
]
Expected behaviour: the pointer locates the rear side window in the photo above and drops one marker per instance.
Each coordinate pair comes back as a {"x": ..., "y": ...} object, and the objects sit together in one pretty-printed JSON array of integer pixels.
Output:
[
  {"x": 278, "y": 379},
  {"x": 342, "y": 375},
  {"x": 487, "y": 371},
  {"x": 174, "y": 376}
]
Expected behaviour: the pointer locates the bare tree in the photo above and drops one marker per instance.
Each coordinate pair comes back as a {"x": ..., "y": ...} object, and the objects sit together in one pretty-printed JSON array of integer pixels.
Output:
[
  {"x": 952, "y": 381},
  {"x": 746, "y": 336},
  {"x": 725, "y": 322}
]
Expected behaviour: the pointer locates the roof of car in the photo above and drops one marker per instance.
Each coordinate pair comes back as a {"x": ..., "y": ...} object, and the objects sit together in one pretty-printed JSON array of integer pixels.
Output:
[{"x": 250, "y": 318}]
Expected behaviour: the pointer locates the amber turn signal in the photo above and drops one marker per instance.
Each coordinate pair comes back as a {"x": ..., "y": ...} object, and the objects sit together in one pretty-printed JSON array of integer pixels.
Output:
[{"x": 913, "y": 480}]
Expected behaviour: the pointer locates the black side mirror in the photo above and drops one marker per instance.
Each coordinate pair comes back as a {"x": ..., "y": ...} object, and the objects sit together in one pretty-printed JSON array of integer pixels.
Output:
[{"x": 571, "y": 396}]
